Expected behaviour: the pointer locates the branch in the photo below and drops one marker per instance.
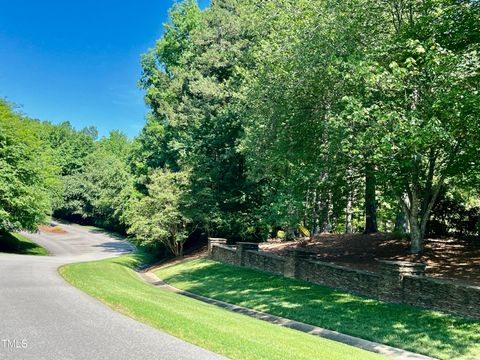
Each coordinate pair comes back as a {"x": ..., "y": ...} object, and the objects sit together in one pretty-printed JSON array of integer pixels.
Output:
[
  {"x": 194, "y": 229},
  {"x": 405, "y": 206},
  {"x": 428, "y": 186},
  {"x": 409, "y": 193},
  {"x": 429, "y": 208}
]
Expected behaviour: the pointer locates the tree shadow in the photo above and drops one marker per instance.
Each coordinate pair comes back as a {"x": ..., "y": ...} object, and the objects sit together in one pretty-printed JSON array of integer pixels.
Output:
[
  {"x": 116, "y": 247},
  {"x": 13, "y": 245},
  {"x": 109, "y": 233},
  {"x": 429, "y": 332}
]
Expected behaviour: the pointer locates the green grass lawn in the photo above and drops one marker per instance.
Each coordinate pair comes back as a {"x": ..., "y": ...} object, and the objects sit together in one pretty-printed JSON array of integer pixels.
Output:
[
  {"x": 236, "y": 336},
  {"x": 18, "y": 244},
  {"x": 432, "y": 333}
]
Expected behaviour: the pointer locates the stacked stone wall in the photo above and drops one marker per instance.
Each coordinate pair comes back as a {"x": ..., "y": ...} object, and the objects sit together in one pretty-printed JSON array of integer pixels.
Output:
[{"x": 398, "y": 281}]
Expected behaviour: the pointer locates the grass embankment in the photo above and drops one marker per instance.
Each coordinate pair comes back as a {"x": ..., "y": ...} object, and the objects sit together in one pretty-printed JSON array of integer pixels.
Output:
[
  {"x": 18, "y": 244},
  {"x": 428, "y": 332},
  {"x": 236, "y": 336}
]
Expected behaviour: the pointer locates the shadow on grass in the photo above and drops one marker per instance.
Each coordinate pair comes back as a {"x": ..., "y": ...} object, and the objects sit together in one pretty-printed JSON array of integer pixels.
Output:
[
  {"x": 15, "y": 244},
  {"x": 424, "y": 331},
  {"x": 136, "y": 260}
]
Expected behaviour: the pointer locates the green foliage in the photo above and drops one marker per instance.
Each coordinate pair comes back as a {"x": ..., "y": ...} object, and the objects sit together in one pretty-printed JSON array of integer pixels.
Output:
[
  {"x": 161, "y": 216},
  {"x": 393, "y": 85},
  {"x": 70, "y": 147},
  {"x": 338, "y": 115},
  {"x": 98, "y": 190},
  {"x": 456, "y": 213},
  {"x": 293, "y": 138},
  {"x": 284, "y": 112},
  {"x": 423, "y": 96},
  {"x": 27, "y": 176},
  {"x": 191, "y": 78}
]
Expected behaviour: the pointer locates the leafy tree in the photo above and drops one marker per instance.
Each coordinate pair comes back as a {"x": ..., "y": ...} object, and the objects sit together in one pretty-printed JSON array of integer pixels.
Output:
[
  {"x": 194, "y": 124},
  {"x": 70, "y": 147},
  {"x": 27, "y": 178},
  {"x": 457, "y": 212},
  {"x": 160, "y": 217},
  {"x": 425, "y": 87},
  {"x": 340, "y": 115},
  {"x": 292, "y": 104},
  {"x": 99, "y": 190}
]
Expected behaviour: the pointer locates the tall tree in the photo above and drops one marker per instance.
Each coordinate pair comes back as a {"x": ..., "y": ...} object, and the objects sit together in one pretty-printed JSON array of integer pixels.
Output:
[
  {"x": 424, "y": 83},
  {"x": 196, "y": 125},
  {"x": 293, "y": 104},
  {"x": 27, "y": 178}
]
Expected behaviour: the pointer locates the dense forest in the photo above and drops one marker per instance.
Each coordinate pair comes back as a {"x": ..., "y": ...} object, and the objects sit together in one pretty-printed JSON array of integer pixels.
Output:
[{"x": 274, "y": 118}]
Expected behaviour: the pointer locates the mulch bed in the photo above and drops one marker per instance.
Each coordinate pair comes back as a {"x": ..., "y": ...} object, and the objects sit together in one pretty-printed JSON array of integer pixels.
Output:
[
  {"x": 52, "y": 229},
  {"x": 448, "y": 258}
]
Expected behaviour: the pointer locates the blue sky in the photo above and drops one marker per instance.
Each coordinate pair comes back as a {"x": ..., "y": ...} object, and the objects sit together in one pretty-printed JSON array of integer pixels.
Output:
[{"x": 79, "y": 60}]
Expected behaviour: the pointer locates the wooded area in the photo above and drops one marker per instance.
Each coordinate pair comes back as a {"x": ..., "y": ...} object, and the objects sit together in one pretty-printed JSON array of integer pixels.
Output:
[{"x": 334, "y": 115}]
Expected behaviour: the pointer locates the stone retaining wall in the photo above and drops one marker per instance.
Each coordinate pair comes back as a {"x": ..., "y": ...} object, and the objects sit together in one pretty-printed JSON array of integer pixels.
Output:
[{"x": 398, "y": 281}]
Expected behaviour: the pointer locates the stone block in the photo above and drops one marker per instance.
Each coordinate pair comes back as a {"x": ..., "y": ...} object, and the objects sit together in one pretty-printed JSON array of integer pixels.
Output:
[
  {"x": 213, "y": 241},
  {"x": 242, "y": 248}
]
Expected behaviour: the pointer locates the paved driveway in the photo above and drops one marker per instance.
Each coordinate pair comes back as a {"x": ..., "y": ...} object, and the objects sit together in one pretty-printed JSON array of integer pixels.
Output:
[{"x": 43, "y": 317}]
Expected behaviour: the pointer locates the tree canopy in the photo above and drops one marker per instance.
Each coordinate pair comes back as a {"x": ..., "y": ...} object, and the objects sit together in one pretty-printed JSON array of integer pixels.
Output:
[
  {"x": 300, "y": 116},
  {"x": 27, "y": 174}
]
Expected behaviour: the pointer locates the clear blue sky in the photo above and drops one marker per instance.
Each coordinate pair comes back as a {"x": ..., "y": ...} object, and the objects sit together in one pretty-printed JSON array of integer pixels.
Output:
[{"x": 79, "y": 60}]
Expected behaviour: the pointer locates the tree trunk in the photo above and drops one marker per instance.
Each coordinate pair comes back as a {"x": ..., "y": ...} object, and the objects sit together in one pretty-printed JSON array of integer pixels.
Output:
[
  {"x": 349, "y": 215},
  {"x": 324, "y": 209},
  {"x": 400, "y": 222},
  {"x": 370, "y": 200},
  {"x": 416, "y": 236},
  {"x": 306, "y": 209},
  {"x": 180, "y": 249},
  {"x": 415, "y": 217},
  {"x": 419, "y": 200},
  {"x": 314, "y": 227}
]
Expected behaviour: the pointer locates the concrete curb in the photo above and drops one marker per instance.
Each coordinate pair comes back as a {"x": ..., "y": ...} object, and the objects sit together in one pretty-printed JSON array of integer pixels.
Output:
[{"x": 371, "y": 346}]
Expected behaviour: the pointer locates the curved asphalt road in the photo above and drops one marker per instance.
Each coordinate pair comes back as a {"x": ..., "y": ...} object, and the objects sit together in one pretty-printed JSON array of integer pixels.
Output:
[{"x": 43, "y": 317}]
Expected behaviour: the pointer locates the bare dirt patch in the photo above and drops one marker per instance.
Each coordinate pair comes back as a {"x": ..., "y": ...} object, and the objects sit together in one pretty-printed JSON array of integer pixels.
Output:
[
  {"x": 52, "y": 229},
  {"x": 445, "y": 258}
]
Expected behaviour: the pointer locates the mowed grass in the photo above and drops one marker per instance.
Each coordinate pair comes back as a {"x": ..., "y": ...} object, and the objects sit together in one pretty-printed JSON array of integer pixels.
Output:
[
  {"x": 236, "y": 336},
  {"x": 428, "y": 332},
  {"x": 18, "y": 244}
]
